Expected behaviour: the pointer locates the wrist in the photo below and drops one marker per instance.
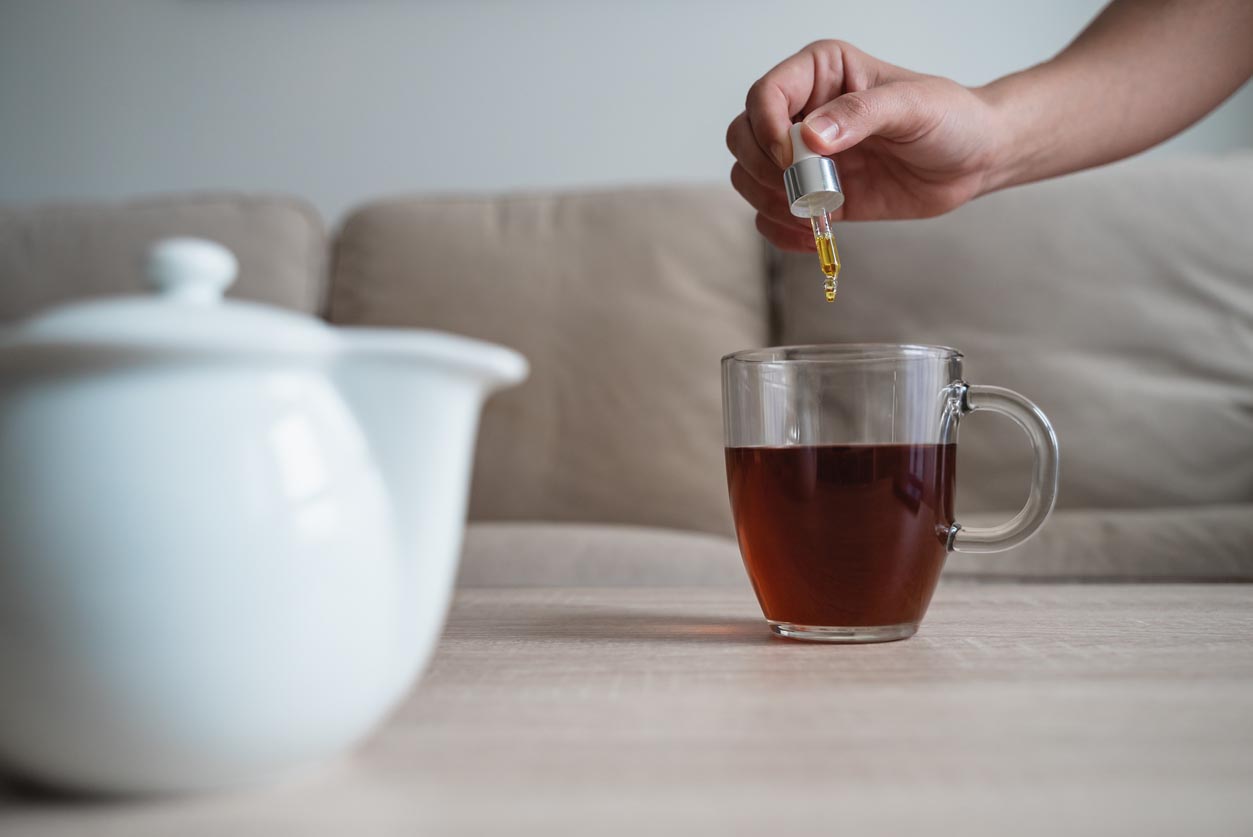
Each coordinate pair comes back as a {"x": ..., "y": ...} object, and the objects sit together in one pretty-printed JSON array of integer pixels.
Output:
[{"x": 1017, "y": 134}]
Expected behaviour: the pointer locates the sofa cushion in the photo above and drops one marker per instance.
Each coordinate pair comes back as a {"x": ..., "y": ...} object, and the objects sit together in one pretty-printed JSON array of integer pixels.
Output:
[
  {"x": 595, "y": 555},
  {"x": 50, "y": 254},
  {"x": 1120, "y": 300},
  {"x": 1194, "y": 543},
  {"x": 1144, "y": 545},
  {"x": 623, "y": 302}
]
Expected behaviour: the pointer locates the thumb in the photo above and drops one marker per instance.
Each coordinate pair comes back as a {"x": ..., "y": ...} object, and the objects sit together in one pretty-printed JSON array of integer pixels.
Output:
[{"x": 891, "y": 111}]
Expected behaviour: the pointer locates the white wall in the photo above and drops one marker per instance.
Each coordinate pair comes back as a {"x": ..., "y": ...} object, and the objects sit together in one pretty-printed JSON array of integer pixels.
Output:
[{"x": 343, "y": 100}]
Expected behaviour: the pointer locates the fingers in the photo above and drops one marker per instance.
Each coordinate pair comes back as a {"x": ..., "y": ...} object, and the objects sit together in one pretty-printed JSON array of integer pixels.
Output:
[
  {"x": 784, "y": 92},
  {"x": 894, "y": 111},
  {"x": 770, "y": 202},
  {"x": 785, "y": 236},
  {"x": 743, "y": 145}
]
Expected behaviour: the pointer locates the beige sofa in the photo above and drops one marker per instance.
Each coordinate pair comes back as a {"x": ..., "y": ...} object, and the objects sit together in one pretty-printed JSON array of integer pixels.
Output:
[{"x": 1120, "y": 300}]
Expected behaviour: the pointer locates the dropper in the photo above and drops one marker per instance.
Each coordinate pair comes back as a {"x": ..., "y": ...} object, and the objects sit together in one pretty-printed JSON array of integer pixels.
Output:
[{"x": 813, "y": 192}]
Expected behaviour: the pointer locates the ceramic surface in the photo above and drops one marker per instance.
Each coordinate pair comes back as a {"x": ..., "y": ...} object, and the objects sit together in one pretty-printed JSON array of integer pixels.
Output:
[{"x": 230, "y": 533}]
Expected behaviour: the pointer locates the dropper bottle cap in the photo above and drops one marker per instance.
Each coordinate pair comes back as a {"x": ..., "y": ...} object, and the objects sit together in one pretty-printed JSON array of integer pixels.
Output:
[{"x": 812, "y": 183}]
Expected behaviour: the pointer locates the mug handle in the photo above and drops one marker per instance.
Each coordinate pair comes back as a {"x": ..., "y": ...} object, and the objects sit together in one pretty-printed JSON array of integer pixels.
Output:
[{"x": 972, "y": 397}]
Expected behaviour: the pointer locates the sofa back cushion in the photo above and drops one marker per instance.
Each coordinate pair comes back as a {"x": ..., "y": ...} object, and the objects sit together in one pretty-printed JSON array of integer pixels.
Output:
[
  {"x": 50, "y": 254},
  {"x": 1120, "y": 300},
  {"x": 623, "y": 302}
]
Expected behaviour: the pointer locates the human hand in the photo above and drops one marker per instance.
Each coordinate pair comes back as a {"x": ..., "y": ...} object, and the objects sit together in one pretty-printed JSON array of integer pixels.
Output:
[{"x": 908, "y": 145}]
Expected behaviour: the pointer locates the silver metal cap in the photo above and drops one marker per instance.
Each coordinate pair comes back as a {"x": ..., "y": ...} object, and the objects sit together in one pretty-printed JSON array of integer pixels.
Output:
[{"x": 813, "y": 187}]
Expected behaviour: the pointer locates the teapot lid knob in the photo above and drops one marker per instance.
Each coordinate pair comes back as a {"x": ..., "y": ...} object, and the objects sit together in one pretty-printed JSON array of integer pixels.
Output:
[{"x": 191, "y": 270}]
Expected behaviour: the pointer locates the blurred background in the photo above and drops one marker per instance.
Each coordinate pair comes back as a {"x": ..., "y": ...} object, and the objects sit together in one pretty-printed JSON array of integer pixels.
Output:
[{"x": 341, "y": 101}]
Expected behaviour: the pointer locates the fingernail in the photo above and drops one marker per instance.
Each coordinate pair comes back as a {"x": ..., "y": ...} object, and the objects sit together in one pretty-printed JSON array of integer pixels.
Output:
[
  {"x": 778, "y": 151},
  {"x": 824, "y": 126}
]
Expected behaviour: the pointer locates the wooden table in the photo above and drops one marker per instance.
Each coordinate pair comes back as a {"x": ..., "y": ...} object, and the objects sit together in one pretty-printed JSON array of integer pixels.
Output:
[{"x": 1018, "y": 709}]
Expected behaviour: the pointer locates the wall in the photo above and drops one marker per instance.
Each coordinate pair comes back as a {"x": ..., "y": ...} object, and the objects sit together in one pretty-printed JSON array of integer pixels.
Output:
[{"x": 341, "y": 101}]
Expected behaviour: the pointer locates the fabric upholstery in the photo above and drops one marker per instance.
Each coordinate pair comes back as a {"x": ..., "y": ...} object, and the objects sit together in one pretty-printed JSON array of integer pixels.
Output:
[
  {"x": 623, "y": 302},
  {"x": 50, "y": 254},
  {"x": 1195, "y": 544},
  {"x": 1120, "y": 300},
  {"x": 595, "y": 555}
]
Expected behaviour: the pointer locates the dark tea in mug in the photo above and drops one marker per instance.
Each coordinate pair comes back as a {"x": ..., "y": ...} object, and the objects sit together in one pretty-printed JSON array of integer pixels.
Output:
[
  {"x": 841, "y": 466},
  {"x": 852, "y": 535}
]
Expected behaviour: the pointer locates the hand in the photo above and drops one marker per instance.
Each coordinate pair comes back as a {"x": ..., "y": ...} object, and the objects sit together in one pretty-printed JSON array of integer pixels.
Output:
[{"x": 908, "y": 145}]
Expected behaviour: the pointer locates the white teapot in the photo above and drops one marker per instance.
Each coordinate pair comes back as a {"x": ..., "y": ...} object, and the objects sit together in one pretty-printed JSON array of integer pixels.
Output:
[{"x": 228, "y": 533}]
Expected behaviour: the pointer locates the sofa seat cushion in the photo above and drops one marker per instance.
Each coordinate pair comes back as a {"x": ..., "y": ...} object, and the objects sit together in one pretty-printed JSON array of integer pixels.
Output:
[
  {"x": 1193, "y": 543},
  {"x": 595, "y": 555},
  {"x": 1188, "y": 544},
  {"x": 51, "y": 254}
]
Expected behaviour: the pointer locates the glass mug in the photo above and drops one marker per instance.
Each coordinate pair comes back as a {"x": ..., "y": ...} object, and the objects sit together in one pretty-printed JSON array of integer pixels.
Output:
[{"x": 841, "y": 470}]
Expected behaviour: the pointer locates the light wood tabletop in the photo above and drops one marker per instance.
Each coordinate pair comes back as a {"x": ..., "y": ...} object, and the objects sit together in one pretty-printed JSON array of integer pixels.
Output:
[{"x": 1018, "y": 709}]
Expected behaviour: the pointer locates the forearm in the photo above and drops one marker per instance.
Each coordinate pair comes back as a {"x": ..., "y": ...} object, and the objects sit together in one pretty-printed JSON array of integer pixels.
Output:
[{"x": 1140, "y": 73}]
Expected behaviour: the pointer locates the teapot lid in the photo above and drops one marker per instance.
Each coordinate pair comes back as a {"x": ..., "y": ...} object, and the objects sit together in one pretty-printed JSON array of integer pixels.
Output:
[{"x": 185, "y": 312}]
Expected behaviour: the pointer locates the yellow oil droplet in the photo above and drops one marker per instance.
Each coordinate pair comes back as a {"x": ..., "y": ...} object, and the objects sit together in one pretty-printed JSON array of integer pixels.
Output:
[{"x": 829, "y": 287}]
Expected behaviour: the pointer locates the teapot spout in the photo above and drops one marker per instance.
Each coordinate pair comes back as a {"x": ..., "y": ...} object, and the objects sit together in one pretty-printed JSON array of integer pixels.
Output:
[{"x": 417, "y": 397}]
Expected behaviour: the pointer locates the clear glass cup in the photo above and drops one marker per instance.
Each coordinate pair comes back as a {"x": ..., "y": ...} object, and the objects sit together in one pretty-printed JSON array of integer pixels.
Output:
[{"x": 841, "y": 470}]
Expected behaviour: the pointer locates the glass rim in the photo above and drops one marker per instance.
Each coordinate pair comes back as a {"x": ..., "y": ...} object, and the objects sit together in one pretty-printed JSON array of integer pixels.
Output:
[{"x": 837, "y": 353}]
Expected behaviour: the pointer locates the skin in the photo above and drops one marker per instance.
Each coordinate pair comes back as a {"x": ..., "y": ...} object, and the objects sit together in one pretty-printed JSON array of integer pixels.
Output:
[{"x": 911, "y": 145}]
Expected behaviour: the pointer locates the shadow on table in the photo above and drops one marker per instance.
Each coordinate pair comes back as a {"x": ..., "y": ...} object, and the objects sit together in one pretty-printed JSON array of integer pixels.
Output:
[
  {"x": 580, "y": 623},
  {"x": 16, "y": 791}
]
